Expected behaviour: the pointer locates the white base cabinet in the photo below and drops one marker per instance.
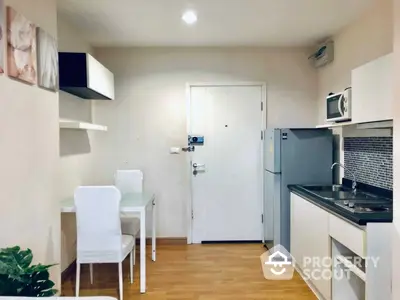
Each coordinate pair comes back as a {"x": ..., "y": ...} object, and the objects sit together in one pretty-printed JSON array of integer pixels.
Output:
[
  {"x": 323, "y": 244},
  {"x": 310, "y": 243},
  {"x": 349, "y": 269}
]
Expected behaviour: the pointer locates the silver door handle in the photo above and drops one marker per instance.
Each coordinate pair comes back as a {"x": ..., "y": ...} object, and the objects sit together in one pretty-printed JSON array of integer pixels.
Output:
[{"x": 196, "y": 165}]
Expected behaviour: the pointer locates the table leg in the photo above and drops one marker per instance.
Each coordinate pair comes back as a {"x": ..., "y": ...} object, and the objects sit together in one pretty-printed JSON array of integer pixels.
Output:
[
  {"x": 143, "y": 251},
  {"x": 153, "y": 242}
]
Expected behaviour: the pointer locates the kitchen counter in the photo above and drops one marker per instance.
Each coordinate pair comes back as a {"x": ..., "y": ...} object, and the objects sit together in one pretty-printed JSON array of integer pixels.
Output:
[{"x": 357, "y": 218}]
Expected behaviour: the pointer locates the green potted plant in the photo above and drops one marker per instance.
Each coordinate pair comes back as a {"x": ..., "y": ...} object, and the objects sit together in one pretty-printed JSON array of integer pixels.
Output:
[{"x": 19, "y": 278}]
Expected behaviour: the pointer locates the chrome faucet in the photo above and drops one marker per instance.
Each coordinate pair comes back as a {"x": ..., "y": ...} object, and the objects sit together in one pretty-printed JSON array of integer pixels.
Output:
[{"x": 354, "y": 184}]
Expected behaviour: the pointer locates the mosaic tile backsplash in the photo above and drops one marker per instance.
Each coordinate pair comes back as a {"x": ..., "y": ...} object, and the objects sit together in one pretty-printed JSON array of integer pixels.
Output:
[{"x": 371, "y": 158}]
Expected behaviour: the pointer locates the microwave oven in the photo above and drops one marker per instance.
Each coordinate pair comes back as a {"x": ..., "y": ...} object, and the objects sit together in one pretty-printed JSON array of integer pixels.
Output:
[{"x": 338, "y": 106}]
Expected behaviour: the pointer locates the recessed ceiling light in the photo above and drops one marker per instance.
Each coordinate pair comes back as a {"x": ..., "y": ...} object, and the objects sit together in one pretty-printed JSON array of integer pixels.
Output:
[{"x": 189, "y": 17}]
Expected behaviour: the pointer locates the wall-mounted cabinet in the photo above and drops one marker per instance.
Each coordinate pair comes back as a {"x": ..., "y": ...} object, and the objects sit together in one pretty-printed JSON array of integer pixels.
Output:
[
  {"x": 83, "y": 76},
  {"x": 372, "y": 90}
]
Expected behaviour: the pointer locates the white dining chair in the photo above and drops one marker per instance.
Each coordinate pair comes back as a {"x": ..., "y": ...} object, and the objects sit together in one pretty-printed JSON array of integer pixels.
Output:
[
  {"x": 129, "y": 181},
  {"x": 99, "y": 231}
]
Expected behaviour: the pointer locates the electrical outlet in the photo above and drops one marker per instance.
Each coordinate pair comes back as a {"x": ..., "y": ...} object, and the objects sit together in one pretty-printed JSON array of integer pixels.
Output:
[{"x": 174, "y": 150}]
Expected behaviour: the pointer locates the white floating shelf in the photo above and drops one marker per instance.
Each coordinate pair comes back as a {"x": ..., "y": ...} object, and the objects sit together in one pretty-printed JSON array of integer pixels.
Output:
[
  {"x": 73, "y": 124},
  {"x": 335, "y": 125}
]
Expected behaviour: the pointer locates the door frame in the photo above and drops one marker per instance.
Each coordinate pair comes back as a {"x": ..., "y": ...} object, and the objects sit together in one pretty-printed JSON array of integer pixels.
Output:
[{"x": 189, "y": 85}]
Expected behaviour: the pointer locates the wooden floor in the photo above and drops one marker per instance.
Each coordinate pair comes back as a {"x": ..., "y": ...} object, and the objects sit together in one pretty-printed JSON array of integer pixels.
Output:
[{"x": 202, "y": 272}]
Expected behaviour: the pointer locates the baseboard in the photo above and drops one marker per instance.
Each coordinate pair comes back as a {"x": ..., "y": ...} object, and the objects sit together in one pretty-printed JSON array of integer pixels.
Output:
[
  {"x": 232, "y": 242},
  {"x": 69, "y": 271},
  {"x": 166, "y": 241},
  {"x": 309, "y": 283}
]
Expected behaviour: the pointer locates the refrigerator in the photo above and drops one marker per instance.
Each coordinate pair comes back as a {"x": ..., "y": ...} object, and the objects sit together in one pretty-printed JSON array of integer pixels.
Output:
[{"x": 292, "y": 156}]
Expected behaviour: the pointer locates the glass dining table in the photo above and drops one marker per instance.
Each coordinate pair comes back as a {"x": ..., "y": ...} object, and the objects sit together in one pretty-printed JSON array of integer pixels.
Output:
[{"x": 132, "y": 203}]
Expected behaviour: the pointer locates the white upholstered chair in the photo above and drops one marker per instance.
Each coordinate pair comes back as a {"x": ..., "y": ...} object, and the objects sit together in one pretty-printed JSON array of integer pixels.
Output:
[
  {"x": 99, "y": 231},
  {"x": 129, "y": 181}
]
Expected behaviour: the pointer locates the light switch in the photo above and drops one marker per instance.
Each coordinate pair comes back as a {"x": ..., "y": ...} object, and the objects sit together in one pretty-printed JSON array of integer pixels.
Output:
[{"x": 174, "y": 150}]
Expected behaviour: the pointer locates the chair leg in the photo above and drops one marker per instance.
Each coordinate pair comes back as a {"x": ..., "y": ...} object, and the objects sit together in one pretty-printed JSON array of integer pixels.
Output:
[
  {"x": 78, "y": 278},
  {"x": 134, "y": 250},
  {"x": 91, "y": 273},
  {"x": 131, "y": 265},
  {"x": 121, "y": 289}
]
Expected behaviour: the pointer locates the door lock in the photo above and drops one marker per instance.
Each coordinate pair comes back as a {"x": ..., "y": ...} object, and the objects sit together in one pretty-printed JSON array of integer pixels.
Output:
[{"x": 196, "y": 168}]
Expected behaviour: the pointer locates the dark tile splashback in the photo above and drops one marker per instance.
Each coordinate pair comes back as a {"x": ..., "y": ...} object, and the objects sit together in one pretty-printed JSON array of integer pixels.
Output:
[{"x": 371, "y": 159}]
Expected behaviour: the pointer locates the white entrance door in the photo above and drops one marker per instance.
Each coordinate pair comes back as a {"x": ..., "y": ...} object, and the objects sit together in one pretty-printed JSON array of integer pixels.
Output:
[{"x": 227, "y": 190}]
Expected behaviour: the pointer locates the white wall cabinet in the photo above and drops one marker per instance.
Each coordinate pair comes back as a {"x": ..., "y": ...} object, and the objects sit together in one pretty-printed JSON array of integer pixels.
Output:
[
  {"x": 372, "y": 90},
  {"x": 310, "y": 241},
  {"x": 83, "y": 76}
]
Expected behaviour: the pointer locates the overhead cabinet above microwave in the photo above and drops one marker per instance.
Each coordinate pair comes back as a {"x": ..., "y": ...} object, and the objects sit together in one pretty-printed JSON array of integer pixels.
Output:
[
  {"x": 372, "y": 90},
  {"x": 83, "y": 76}
]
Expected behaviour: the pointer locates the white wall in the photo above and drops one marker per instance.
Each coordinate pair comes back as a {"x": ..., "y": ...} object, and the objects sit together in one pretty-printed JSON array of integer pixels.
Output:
[
  {"x": 396, "y": 158},
  {"x": 75, "y": 145},
  {"x": 29, "y": 147},
  {"x": 149, "y": 113}
]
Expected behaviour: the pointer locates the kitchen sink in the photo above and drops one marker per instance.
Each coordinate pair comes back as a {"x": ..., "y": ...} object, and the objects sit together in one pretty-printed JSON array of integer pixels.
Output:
[
  {"x": 337, "y": 192},
  {"x": 327, "y": 188}
]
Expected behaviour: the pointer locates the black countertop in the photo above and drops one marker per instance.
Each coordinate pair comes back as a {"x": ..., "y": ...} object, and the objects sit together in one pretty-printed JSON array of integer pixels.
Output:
[{"x": 330, "y": 206}]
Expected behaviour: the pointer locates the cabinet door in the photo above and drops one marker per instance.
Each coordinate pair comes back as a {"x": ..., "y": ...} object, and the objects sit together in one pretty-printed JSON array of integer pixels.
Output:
[
  {"x": 310, "y": 241},
  {"x": 298, "y": 238},
  {"x": 372, "y": 90}
]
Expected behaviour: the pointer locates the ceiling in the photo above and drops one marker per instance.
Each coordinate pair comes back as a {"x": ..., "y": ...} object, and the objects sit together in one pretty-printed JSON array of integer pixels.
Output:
[{"x": 272, "y": 23}]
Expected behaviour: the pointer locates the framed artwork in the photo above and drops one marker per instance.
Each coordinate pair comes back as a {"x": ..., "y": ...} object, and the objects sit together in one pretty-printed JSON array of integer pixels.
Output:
[
  {"x": 2, "y": 36},
  {"x": 21, "y": 47},
  {"x": 47, "y": 60}
]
